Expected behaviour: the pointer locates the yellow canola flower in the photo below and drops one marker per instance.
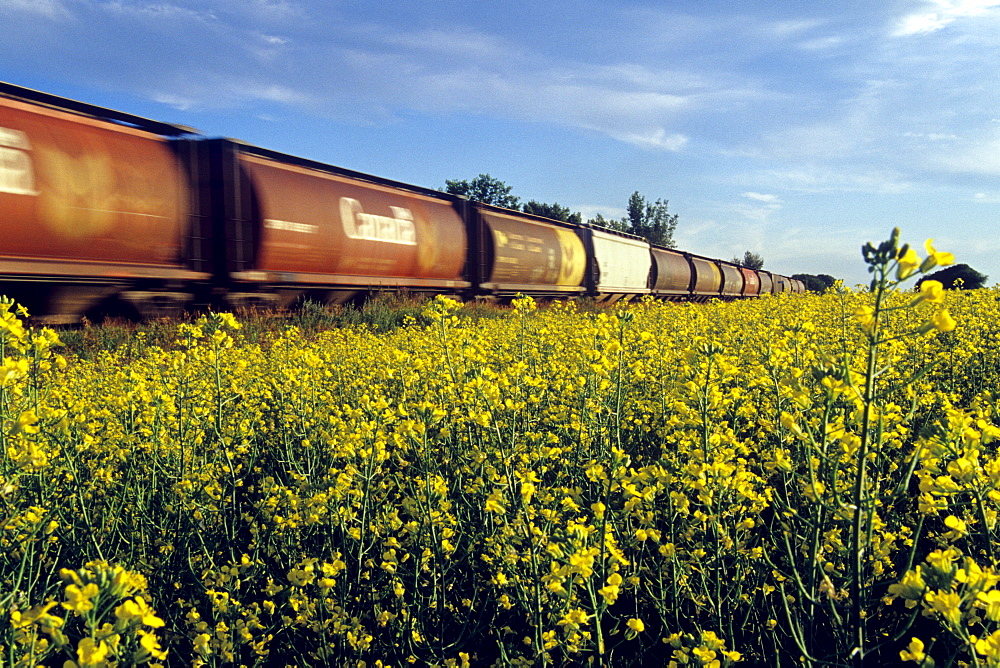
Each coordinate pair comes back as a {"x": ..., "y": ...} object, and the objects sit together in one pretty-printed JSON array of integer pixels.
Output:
[
  {"x": 943, "y": 560},
  {"x": 202, "y": 644},
  {"x": 908, "y": 264},
  {"x": 935, "y": 258},
  {"x": 11, "y": 323},
  {"x": 151, "y": 644},
  {"x": 957, "y": 526},
  {"x": 914, "y": 651},
  {"x": 989, "y": 647},
  {"x": 865, "y": 315},
  {"x": 931, "y": 291},
  {"x": 705, "y": 655},
  {"x": 38, "y": 614},
  {"x": 80, "y": 600},
  {"x": 494, "y": 503},
  {"x": 575, "y": 617},
  {"x": 943, "y": 322},
  {"x": 229, "y": 320},
  {"x": 527, "y": 491},
  {"x": 582, "y": 562},
  {"x": 12, "y": 370},
  {"x": 962, "y": 469},
  {"x": 789, "y": 423},
  {"x": 138, "y": 610},
  {"x": 947, "y": 604},
  {"x": 26, "y": 423},
  {"x": 612, "y": 590},
  {"x": 990, "y": 600},
  {"x": 90, "y": 652}
]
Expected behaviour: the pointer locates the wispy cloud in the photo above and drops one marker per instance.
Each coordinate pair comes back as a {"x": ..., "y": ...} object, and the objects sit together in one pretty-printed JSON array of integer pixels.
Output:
[
  {"x": 979, "y": 156},
  {"x": 214, "y": 55},
  {"x": 762, "y": 197},
  {"x": 939, "y": 14},
  {"x": 210, "y": 56},
  {"x": 589, "y": 211},
  {"x": 931, "y": 136},
  {"x": 829, "y": 179},
  {"x": 767, "y": 206},
  {"x": 656, "y": 139},
  {"x": 921, "y": 24},
  {"x": 822, "y": 43},
  {"x": 49, "y": 9}
]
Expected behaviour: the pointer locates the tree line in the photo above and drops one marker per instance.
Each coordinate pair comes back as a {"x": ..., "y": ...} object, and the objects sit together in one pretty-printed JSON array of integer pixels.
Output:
[{"x": 648, "y": 219}]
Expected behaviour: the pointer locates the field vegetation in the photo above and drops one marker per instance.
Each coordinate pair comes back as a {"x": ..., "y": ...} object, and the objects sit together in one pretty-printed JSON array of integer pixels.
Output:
[{"x": 799, "y": 479}]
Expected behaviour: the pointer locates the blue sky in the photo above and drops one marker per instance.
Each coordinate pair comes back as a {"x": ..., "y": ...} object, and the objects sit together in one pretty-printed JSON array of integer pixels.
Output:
[{"x": 796, "y": 130}]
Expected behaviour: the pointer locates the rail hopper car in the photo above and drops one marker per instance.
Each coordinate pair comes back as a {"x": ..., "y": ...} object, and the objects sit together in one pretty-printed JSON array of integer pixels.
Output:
[{"x": 105, "y": 212}]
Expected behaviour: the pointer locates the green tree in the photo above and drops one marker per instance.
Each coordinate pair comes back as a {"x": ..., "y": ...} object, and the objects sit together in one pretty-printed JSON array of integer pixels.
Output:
[
  {"x": 610, "y": 223},
  {"x": 816, "y": 282},
  {"x": 750, "y": 260},
  {"x": 957, "y": 277},
  {"x": 649, "y": 220},
  {"x": 486, "y": 189},
  {"x": 554, "y": 211}
]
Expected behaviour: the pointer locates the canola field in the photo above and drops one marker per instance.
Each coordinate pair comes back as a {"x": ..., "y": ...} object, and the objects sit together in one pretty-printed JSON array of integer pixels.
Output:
[{"x": 799, "y": 479}]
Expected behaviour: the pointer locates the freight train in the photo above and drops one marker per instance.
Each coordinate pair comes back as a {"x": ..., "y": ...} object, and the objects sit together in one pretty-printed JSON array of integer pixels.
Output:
[{"x": 106, "y": 212}]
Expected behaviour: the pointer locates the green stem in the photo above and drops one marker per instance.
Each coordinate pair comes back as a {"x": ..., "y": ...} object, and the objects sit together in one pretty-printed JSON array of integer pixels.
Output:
[{"x": 860, "y": 483}]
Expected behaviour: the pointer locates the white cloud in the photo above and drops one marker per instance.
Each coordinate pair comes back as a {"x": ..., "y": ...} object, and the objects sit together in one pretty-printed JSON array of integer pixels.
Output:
[
  {"x": 173, "y": 100},
  {"x": 980, "y": 157},
  {"x": 275, "y": 93},
  {"x": 837, "y": 138},
  {"x": 921, "y": 24},
  {"x": 198, "y": 55},
  {"x": 269, "y": 9},
  {"x": 769, "y": 205},
  {"x": 946, "y": 13},
  {"x": 374, "y": 73},
  {"x": 931, "y": 136},
  {"x": 163, "y": 11},
  {"x": 971, "y": 7},
  {"x": 229, "y": 92},
  {"x": 792, "y": 28},
  {"x": 444, "y": 71},
  {"x": 589, "y": 211},
  {"x": 655, "y": 139},
  {"x": 986, "y": 198},
  {"x": 821, "y": 43},
  {"x": 463, "y": 45},
  {"x": 320, "y": 57},
  {"x": 756, "y": 214},
  {"x": 268, "y": 48},
  {"x": 761, "y": 197},
  {"x": 823, "y": 179},
  {"x": 50, "y": 9}
]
